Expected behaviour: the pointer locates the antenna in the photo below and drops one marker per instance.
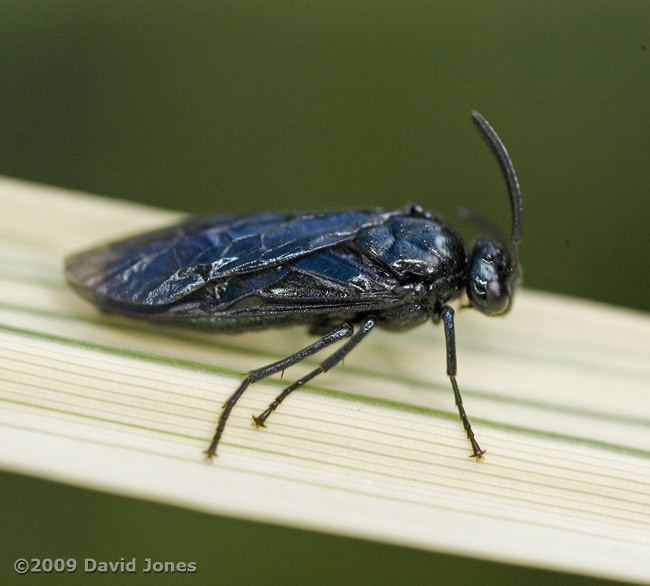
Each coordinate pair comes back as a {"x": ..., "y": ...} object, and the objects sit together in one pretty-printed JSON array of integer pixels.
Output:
[{"x": 492, "y": 139}]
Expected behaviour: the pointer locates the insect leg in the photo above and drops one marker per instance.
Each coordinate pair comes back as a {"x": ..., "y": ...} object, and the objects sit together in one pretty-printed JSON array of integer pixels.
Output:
[
  {"x": 254, "y": 375},
  {"x": 324, "y": 366},
  {"x": 447, "y": 314}
]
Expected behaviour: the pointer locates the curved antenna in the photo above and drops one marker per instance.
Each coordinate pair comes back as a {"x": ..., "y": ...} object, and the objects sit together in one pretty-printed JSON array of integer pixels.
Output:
[{"x": 492, "y": 139}]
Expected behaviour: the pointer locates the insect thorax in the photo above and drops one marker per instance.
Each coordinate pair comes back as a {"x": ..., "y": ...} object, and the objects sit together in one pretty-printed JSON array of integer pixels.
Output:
[{"x": 424, "y": 253}]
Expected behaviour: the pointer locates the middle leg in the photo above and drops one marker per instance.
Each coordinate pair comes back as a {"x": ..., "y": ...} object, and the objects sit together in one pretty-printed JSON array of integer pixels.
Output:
[{"x": 324, "y": 366}]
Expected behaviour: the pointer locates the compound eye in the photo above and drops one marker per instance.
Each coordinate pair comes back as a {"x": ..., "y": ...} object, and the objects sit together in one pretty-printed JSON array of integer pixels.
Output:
[
  {"x": 497, "y": 298},
  {"x": 490, "y": 281}
]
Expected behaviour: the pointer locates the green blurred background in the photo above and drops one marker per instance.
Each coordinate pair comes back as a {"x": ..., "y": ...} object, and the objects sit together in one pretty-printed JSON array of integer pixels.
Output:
[{"x": 242, "y": 105}]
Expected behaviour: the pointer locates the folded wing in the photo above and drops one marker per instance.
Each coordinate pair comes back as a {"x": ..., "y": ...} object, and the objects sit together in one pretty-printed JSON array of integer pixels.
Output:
[{"x": 161, "y": 267}]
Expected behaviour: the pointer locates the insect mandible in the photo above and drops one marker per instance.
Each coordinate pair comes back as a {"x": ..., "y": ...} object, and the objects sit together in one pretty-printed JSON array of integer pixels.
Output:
[{"x": 331, "y": 271}]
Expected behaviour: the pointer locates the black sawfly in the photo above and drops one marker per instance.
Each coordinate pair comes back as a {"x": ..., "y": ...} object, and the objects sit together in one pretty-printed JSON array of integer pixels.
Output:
[{"x": 331, "y": 271}]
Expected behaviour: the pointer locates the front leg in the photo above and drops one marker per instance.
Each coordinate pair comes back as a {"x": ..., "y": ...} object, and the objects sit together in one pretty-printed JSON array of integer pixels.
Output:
[{"x": 447, "y": 314}]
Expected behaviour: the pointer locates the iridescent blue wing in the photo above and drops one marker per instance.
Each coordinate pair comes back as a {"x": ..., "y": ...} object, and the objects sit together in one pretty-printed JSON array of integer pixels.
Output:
[
  {"x": 159, "y": 268},
  {"x": 323, "y": 288}
]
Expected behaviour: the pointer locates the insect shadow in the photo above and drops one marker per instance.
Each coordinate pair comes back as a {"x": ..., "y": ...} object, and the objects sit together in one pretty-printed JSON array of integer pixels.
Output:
[{"x": 331, "y": 271}]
